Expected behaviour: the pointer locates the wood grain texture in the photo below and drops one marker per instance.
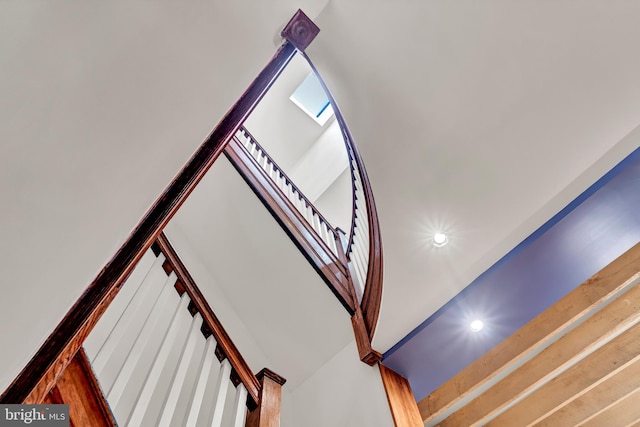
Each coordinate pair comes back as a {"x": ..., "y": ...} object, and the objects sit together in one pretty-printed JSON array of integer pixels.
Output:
[
  {"x": 400, "y": 397},
  {"x": 324, "y": 261},
  {"x": 603, "y": 286},
  {"x": 372, "y": 296},
  {"x": 267, "y": 414},
  {"x": 226, "y": 347},
  {"x": 581, "y": 377},
  {"x": 596, "y": 400},
  {"x": 78, "y": 387},
  {"x": 580, "y": 342},
  {"x": 42, "y": 371},
  {"x": 300, "y": 30},
  {"x": 625, "y": 412},
  {"x": 365, "y": 351},
  {"x": 598, "y": 332}
]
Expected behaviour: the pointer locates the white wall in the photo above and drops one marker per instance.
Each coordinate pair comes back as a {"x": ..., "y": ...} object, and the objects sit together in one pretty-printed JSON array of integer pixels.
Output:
[
  {"x": 343, "y": 393},
  {"x": 313, "y": 156},
  {"x": 282, "y": 128},
  {"x": 101, "y": 104},
  {"x": 322, "y": 164},
  {"x": 336, "y": 202},
  {"x": 213, "y": 293}
]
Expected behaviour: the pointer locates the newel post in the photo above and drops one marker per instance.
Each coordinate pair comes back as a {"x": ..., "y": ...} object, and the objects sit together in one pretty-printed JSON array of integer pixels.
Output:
[{"x": 267, "y": 414}]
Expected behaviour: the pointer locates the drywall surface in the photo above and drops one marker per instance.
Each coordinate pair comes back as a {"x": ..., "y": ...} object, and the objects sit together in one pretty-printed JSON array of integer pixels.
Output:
[
  {"x": 232, "y": 323},
  {"x": 343, "y": 393}
]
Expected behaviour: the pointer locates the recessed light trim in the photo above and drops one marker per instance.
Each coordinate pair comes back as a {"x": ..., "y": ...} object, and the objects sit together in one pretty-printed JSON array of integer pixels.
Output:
[
  {"x": 440, "y": 239},
  {"x": 477, "y": 325}
]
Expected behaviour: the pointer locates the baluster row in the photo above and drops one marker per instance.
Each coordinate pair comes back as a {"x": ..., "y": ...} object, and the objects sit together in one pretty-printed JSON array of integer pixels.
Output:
[
  {"x": 153, "y": 362},
  {"x": 308, "y": 212}
]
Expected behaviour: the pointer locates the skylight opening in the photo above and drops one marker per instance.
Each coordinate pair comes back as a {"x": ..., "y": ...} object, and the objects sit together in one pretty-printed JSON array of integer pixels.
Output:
[{"x": 311, "y": 98}]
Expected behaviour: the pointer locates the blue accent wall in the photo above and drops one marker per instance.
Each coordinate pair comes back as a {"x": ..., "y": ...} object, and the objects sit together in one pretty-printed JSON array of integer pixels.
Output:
[{"x": 597, "y": 227}]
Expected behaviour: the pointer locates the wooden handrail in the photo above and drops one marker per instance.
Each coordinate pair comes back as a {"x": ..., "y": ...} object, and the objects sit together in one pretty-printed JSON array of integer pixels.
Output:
[
  {"x": 289, "y": 180},
  {"x": 372, "y": 297},
  {"x": 42, "y": 371},
  {"x": 331, "y": 268},
  {"x": 225, "y": 343}
]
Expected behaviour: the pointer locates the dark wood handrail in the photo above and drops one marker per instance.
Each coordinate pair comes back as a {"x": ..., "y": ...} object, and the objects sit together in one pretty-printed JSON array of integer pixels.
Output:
[
  {"x": 330, "y": 267},
  {"x": 372, "y": 297},
  {"x": 42, "y": 371},
  {"x": 289, "y": 180},
  {"x": 225, "y": 343}
]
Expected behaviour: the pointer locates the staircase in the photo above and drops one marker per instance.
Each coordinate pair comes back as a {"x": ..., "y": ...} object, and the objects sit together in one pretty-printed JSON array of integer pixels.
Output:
[{"x": 159, "y": 354}]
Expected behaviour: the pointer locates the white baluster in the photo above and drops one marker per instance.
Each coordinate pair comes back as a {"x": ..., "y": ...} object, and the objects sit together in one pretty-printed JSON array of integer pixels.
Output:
[
  {"x": 207, "y": 362},
  {"x": 281, "y": 182},
  {"x": 317, "y": 225},
  {"x": 263, "y": 161},
  {"x": 321, "y": 230},
  {"x": 308, "y": 215},
  {"x": 128, "y": 325},
  {"x": 289, "y": 191},
  {"x": 362, "y": 223},
  {"x": 300, "y": 204},
  {"x": 273, "y": 172},
  {"x": 220, "y": 394},
  {"x": 360, "y": 264},
  {"x": 253, "y": 151},
  {"x": 360, "y": 241},
  {"x": 240, "y": 406},
  {"x": 140, "y": 346},
  {"x": 159, "y": 362},
  {"x": 109, "y": 319},
  {"x": 327, "y": 236},
  {"x": 178, "y": 381},
  {"x": 332, "y": 243}
]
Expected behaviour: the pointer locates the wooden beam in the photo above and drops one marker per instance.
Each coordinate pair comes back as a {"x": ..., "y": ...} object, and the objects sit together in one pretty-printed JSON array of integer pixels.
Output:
[
  {"x": 40, "y": 374},
  {"x": 596, "y": 400},
  {"x": 590, "y": 335},
  {"x": 586, "y": 374},
  {"x": 601, "y": 287},
  {"x": 400, "y": 397},
  {"x": 626, "y": 412}
]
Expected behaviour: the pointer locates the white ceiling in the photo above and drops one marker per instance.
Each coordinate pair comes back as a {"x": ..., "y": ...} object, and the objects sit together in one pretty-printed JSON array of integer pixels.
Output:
[{"x": 484, "y": 117}]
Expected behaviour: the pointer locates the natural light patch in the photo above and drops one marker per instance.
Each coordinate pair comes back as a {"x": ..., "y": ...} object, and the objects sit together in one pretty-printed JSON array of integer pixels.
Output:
[{"x": 312, "y": 99}]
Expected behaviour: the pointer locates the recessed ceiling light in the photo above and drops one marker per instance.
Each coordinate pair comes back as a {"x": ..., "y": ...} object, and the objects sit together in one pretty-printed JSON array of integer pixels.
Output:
[
  {"x": 440, "y": 239},
  {"x": 476, "y": 325}
]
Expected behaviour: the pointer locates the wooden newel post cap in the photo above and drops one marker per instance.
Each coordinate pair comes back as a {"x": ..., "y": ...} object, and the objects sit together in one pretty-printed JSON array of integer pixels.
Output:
[
  {"x": 300, "y": 31},
  {"x": 268, "y": 373}
]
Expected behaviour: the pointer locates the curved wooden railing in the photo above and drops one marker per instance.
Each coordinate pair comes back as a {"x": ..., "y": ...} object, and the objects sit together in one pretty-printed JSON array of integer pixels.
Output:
[
  {"x": 364, "y": 250},
  {"x": 318, "y": 241},
  {"x": 314, "y": 218},
  {"x": 350, "y": 264}
]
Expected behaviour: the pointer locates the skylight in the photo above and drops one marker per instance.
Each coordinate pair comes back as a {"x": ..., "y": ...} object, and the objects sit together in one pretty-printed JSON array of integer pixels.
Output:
[{"x": 312, "y": 99}]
